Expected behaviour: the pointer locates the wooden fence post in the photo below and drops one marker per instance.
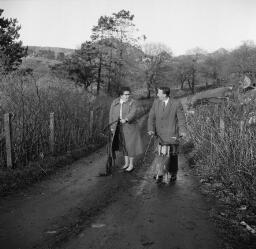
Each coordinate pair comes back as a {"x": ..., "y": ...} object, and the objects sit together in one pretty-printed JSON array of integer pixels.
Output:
[
  {"x": 8, "y": 139},
  {"x": 51, "y": 138},
  {"x": 222, "y": 127},
  {"x": 211, "y": 148},
  {"x": 222, "y": 123},
  {"x": 241, "y": 126},
  {"x": 101, "y": 119},
  {"x": 91, "y": 122}
]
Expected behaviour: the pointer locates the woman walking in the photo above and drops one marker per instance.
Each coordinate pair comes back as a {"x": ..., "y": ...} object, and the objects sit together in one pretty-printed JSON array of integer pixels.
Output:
[{"x": 126, "y": 134}]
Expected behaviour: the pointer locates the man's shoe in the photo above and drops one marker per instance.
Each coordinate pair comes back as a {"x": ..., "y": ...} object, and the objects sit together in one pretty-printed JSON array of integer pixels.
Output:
[
  {"x": 159, "y": 179},
  {"x": 173, "y": 178}
]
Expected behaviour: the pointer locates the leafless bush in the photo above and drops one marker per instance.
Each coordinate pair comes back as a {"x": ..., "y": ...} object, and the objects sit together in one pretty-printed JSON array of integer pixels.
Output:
[
  {"x": 31, "y": 106},
  {"x": 228, "y": 154}
]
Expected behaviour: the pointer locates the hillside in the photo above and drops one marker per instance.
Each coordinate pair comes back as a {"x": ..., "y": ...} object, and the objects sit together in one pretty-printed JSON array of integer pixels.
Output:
[{"x": 56, "y": 50}]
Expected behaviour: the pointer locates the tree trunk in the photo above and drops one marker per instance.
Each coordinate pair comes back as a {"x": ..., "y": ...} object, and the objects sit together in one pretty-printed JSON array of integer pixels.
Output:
[
  {"x": 182, "y": 84},
  {"x": 109, "y": 72},
  {"x": 148, "y": 90},
  {"x": 99, "y": 75},
  {"x": 109, "y": 80},
  {"x": 189, "y": 85},
  {"x": 193, "y": 81}
]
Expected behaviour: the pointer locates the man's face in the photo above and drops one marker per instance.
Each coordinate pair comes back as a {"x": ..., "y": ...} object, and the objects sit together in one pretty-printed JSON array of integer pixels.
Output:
[
  {"x": 125, "y": 96},
  {"x": 162, "y": 96}
]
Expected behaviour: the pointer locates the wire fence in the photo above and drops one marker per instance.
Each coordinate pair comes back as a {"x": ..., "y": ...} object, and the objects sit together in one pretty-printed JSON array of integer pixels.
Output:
[
  {"x": 56, "y": 133},
  {"x": 30, "y": 140},
  {"x": 37, "y": 121},
  {"x": 37, "y": 136},
  {"x": 46, "y": 120},
  {"x": 78, "y": 131}
]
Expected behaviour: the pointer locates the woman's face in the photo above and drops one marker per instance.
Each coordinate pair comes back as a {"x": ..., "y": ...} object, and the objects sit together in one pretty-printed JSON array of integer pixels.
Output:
[{"x": 125, "y": 96}]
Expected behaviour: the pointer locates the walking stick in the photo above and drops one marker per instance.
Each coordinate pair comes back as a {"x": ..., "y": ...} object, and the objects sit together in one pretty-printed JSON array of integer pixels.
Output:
[
  {"x": 110, "y": 158},
  {"x": 146, "y": 151}
]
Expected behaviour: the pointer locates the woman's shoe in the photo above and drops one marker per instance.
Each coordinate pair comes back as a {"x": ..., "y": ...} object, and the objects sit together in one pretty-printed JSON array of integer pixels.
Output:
[
  {"x": 129, "y": 169},
  {"x": 125, "y": 167}
]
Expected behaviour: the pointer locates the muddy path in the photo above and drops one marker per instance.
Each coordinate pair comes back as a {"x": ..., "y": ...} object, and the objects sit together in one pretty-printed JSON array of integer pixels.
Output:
[
  {"x": 78, "y": 209},
  {"x": 146, "y": 215}
]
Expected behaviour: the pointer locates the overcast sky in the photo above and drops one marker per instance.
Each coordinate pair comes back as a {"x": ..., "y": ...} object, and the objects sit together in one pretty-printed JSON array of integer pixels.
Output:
[{"x": 179, "y": 24}]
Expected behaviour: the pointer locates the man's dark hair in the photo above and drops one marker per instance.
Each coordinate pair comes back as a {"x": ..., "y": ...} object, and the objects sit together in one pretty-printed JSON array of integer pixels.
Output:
[
  {"x": 166, "y": 90},
  {"x": 124, "y": 89}
]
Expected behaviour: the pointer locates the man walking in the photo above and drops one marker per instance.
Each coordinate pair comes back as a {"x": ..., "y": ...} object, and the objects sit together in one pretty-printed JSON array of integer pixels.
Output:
[{"x": 167, "y": 121}]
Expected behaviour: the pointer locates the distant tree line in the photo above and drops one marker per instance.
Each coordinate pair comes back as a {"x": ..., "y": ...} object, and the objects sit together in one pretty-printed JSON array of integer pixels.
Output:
[
  {"x": 116, "y": 55},
  {"x": 49, "y": 54}
]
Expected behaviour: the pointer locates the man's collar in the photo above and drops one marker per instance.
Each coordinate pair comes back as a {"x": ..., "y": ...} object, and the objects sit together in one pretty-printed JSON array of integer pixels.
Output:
[{"x": 166, "y": 100}]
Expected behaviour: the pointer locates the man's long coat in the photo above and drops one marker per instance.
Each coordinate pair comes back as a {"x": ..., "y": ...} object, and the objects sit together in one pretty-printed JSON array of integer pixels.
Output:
[{"x": 167, "y": 122}]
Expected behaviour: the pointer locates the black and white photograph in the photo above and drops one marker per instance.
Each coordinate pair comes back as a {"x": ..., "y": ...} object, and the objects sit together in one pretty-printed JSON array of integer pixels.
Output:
[{"x": 127, "y": 124}]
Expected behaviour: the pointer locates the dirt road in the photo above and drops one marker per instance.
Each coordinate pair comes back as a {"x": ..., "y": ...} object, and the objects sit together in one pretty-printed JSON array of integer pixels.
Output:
[
  {"x": 148, "y": 216},
  {"x": 77, "y": 209}
]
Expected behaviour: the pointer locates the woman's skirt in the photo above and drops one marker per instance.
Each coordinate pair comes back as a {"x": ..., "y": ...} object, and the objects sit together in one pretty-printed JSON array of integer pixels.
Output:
[{"x": 128, "y": 140}]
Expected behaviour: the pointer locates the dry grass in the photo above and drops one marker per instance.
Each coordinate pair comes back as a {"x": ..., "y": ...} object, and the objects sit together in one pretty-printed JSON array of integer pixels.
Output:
[
  {"x": 226, "y": 155},
  {"x": 31, "y": 106}
]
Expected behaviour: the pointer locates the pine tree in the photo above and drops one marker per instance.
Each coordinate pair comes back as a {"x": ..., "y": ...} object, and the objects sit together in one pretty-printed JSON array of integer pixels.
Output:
[{"x": 11, "y": 50}]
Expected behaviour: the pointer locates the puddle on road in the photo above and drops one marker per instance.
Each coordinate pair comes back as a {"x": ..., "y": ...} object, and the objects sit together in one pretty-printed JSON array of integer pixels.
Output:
[
  {"x": 51, "y": 232},
  {"x": 98, "y": 225}
]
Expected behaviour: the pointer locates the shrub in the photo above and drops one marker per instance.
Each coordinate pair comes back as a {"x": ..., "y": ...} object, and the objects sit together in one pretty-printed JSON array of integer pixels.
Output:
[
  {"x": 31, "y": 105},
  {"x": 226, "y": 154}
]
